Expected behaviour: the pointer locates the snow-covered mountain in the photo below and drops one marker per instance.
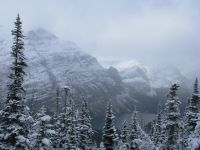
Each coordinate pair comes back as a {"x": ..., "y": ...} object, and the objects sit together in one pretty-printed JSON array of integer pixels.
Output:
[
  {"x": 149, "y": 85},
  {"x": 133, "y": 72},
  {"x": 55, "y": 63}
]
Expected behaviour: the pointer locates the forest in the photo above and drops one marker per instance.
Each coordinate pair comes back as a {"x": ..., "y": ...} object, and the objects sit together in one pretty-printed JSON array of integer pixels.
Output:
[{"x": 71, "y": 129}]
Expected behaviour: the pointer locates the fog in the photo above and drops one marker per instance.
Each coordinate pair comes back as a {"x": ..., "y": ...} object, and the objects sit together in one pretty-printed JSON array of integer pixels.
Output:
[{"x": 156, "y": 33}]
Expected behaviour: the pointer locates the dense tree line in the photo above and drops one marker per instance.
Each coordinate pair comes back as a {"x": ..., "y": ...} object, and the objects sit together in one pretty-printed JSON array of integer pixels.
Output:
[{"x": 71, "y": 129}]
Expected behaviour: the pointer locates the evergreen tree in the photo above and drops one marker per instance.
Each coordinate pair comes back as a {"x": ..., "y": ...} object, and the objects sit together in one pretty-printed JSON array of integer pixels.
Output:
[
  {"x": 192, "y": 111},
  {"x": 134, "y": 131},
  {"x": 72, "y": 130},
  {"x": 139, "y": 140},
  {"x": 43, "y": 131},
  {"x": 124, "y": 136},
  {"x": 194, "y": 138},
  {"x": 57, "y": 104},
  {"x": 85, "y": 127},
  {"x": 109, "y": 131},
  {"x": 62, "y": 123},
  {"x": 158, "y": 135},
  {"x": 14, "y": 116},
  {"x": 172, "y": 122},
  {"x": 67, "y": 124},
  {"x": 57, "y": 124}
]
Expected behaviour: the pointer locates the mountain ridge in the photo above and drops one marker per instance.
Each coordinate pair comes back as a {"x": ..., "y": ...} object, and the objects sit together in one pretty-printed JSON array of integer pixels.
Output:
[{"x": 54, "y": 63}]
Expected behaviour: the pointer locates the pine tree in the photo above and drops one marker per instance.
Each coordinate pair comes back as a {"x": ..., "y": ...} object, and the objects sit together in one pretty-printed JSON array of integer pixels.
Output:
[
  {"x": 125, "y": 133},
  {"x": 134, "y": 126},
  {"x": 85, "y": 127},
  {"x": 71, "y": 136},
  {"x": 192, "y": 111},
  {"x": 43, "y": 131},
  {"x": 158, "y": 135},
  {"x": 63, "y": 121},
  {"x": 194, "y": 138},
  {"x": 173, "y": 124},
  {"x": 134, "y": 131},
  {"x": 57, "y": 122},
  {"x": 138, "y": 139},
  {"x": 57, "y": 104},
  {"x": 109, "y": 131},
  {"x": 68, "y": 123},
  {"x": 71, "y": 131},
  {"x": 15, "y": 114}
]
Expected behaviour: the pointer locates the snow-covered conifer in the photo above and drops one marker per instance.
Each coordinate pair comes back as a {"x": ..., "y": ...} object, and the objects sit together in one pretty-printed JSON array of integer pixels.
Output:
[
  {"x": 192, "y": 111},
  {"x": 43, "y": 131},
  {"x": 71, "y": 127},
  {"x": 109, "y": 132},
  {"x": 14, "y": 116},
  {"x": 138, "y": 139},
  {"x": 57, "y": 123},
  {"x": 124, "y": 136},
  {"x": 194, "y": 138},
  {"x": 62, "y": 122},
  {"x": 158, "y": 135},
  {"x": 85, "y": 127},
  {"x": 172, "y": 120}
]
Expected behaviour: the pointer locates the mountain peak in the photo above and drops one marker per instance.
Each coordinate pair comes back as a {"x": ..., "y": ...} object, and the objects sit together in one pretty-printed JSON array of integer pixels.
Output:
[{"x": 40, "y": 34}]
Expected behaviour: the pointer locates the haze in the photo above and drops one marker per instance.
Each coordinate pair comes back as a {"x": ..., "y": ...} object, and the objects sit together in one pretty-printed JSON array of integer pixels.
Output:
[{"x": 156, "y": 33}]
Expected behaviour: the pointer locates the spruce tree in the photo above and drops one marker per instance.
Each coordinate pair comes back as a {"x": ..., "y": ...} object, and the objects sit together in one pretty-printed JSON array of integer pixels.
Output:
[
  {"x": 124, "y": 136},
  {"x": 14, "y": 116},
  {"x": 63, "y": 121},
  {"x": 109, "y": 131},
  {"x": 134, "y": 131},
  {"x": 192, "y": 111},
  {"x": 194, "y": 137},
  {"x": 138, "y": 139},
  {"x": 71, "y": 130},
  {"x": 85, "y": 127},
  {"x": 172, "y": 122},
  {"x": 57, "y": 104},
  {"x": 68, "y": 123},
  {"x": 56, "y": 120},
  {"x": 44, "y": 133},
  {"x": 158, "y": 135}
]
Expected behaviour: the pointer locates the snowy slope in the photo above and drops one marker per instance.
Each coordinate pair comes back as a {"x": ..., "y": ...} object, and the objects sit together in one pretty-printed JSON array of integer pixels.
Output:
[
  {"x": 55, "y": 63},
  {"x": 133, "y": 72},
  {"x": 149, "y": 85}
]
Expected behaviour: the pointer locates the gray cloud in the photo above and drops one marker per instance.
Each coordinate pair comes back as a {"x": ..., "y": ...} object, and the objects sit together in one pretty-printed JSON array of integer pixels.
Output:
[{"x": 157, "y": 33}]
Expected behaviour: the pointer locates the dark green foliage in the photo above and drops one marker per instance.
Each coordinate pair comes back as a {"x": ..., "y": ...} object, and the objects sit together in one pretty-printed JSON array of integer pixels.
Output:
[
  {"x": 191, "y": 115},
  {"x": 43, "y": 131},
  {"x": 85, "y": 128},
  {"x": 125, "y": 133},
  {"x": 172, "y": 122},
  {"x": 158, "y": 135},
  {"x": 15, "y": 114},
  {"x": 109, "y": 131}
]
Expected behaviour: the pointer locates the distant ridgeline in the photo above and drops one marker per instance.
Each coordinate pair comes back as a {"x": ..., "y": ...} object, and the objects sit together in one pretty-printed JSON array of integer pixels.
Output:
[
  {"x": 69, "y": 124},
  {"x": 53, "y": 63}
]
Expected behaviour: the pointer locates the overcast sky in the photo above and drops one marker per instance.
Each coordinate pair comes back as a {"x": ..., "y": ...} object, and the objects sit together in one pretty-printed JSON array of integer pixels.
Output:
[{"x": 154, "y": 32}]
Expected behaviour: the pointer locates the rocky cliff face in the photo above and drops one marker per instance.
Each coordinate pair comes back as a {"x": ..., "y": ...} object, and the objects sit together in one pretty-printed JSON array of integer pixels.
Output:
[
  {"x": 150, "y": 85},
  {"x": 54, "y": 63}
]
